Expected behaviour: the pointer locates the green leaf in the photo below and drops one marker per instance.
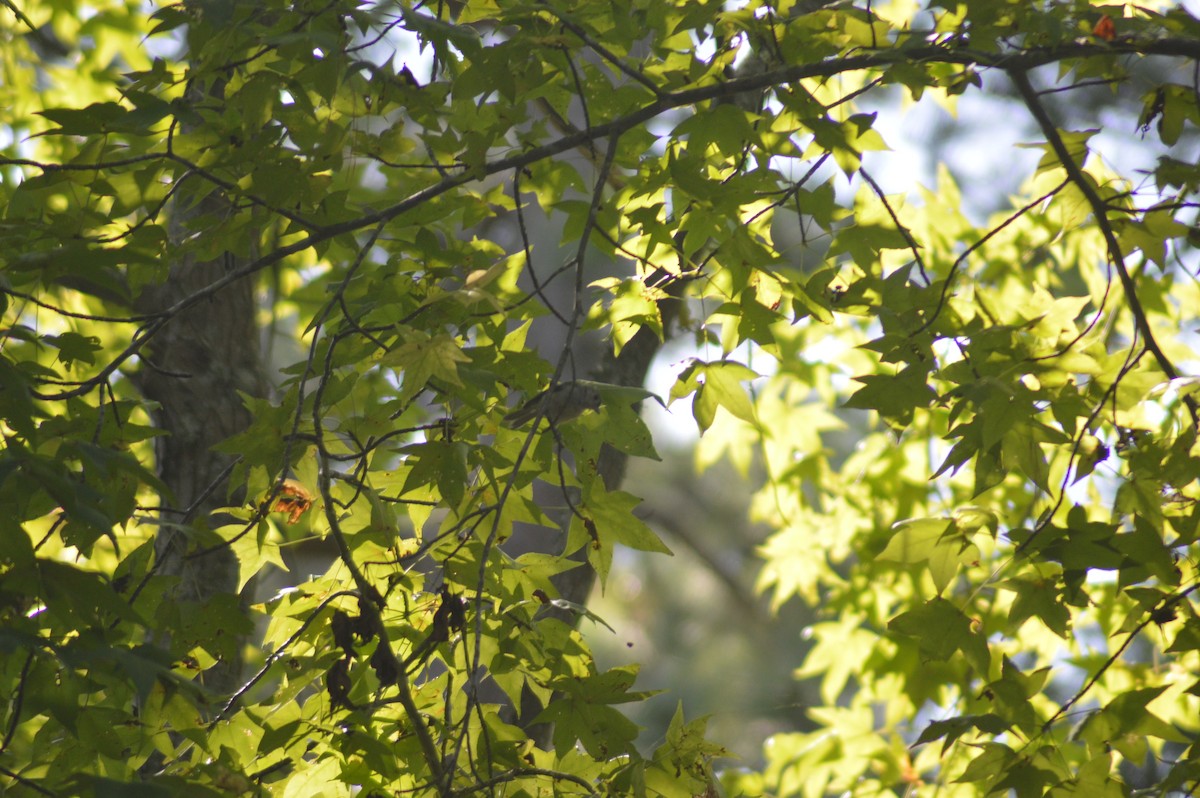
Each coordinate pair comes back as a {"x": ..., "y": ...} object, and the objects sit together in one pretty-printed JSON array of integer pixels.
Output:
[
  {"x": 83, "y": 595},
  {"x": 953, "y": 728},
  {"x": 1126, "y": 715},
  {"x": 723, "y": 385},
  {"x": 582, "y": 713},
  {"x": 73, "y": 347},
  {"x": 914, "y": 540},
  {"x": 1041, "y": 599},
  {"x": 994, "y": 760},
  {"x": 895, "y": 397},
  {"x": 941, "y": 629},
  {"x": 935, "y": 541},
  {"x": 439, "y": 463},
  {"x": 422, "y": 358},
  {"x": 100, "y": 787},
  {"x": 96, "y": 118},
  {"x": 438, "y": 31}
]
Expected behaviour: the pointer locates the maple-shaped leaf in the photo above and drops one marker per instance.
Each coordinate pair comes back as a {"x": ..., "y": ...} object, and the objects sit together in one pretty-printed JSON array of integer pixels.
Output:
[{"x": 422, "y": 358}]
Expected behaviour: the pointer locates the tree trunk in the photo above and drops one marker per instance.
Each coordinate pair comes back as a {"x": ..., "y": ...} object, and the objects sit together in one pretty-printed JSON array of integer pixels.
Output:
[{"x": 193, "y": 370}]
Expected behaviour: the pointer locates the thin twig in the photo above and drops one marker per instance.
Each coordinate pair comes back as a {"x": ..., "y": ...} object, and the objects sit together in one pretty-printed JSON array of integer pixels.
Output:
[
  {"x": 33, "y": 785},
  {"x": 276, "y": 655},
  {"x": 913, "y": 246},
  {"x": 1151, "y": 614},
  {"x": 505, "y": 778},
  {"x": 538, "y": 289},
  {"x": 235, "y": 190},
  {"x": 17, "y": 702},
  {"x": 603, "y": 51},
  {"x": 510, "y": 484},
  {"x": 370, "y": 597},
  {"x": 961, "y": 259}
]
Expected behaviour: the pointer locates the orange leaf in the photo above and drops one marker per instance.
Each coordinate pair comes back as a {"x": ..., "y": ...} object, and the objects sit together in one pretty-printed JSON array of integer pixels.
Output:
[
  {"x": 1105, "y": 29},
  {"x": 293, "y": 499}
]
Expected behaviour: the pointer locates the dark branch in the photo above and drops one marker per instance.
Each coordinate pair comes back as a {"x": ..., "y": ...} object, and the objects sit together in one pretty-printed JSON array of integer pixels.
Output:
[
  {"x": 1076, "y": 175},
  {"x": 1016, "y": 62}
]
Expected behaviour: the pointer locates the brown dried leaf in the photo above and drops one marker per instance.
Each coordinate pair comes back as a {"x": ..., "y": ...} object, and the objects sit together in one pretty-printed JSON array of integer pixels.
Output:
[
  {"x": 1105, "y": 29},
  {"x": 293, "y": 499}
]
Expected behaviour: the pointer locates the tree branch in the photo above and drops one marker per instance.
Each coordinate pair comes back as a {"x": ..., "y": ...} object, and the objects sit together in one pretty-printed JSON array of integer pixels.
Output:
[
  {"x": 1015, "y": 63},
  {"x": 1075, "y": 173},
  {"x": 1165, "y": 604}
]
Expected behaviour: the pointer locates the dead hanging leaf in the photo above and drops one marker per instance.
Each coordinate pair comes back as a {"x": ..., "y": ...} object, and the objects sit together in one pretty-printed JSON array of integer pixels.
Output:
[
  {"x": 384, "y": 665},
  {"x": 1105, "y": 29},
  {"x": 337, "y": 684},
  {"x": 342, "y": 627},
  {"x": 293, "y": 499},
  {"x": 1155, "y": 105}
]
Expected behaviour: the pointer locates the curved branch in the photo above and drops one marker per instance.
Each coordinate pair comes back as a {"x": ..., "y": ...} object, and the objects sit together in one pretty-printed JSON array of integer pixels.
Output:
[
  {"x": 33, "y": 785},
  {"x": 511, "y": 776},
  {"x": 17, "y": 703},
  {"x": 1075, "y": 173},
  {"x": 962, "y": 259},
  {"x": 371, "y": 599},
  {"x": 234, "y": 190},
  {"x": 1015, "y": 63}
]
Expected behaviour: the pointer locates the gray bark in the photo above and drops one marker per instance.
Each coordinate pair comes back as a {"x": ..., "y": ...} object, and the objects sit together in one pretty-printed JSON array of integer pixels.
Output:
[{"x": 193, "y": 370}]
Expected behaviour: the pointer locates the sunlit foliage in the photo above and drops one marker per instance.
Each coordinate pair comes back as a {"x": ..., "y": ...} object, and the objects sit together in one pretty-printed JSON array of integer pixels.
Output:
[{"x": 1005, "y": 564}]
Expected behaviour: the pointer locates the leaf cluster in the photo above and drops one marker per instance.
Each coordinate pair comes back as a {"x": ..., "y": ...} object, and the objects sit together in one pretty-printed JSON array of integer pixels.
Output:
[{"x": 1019, "y": 508}]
